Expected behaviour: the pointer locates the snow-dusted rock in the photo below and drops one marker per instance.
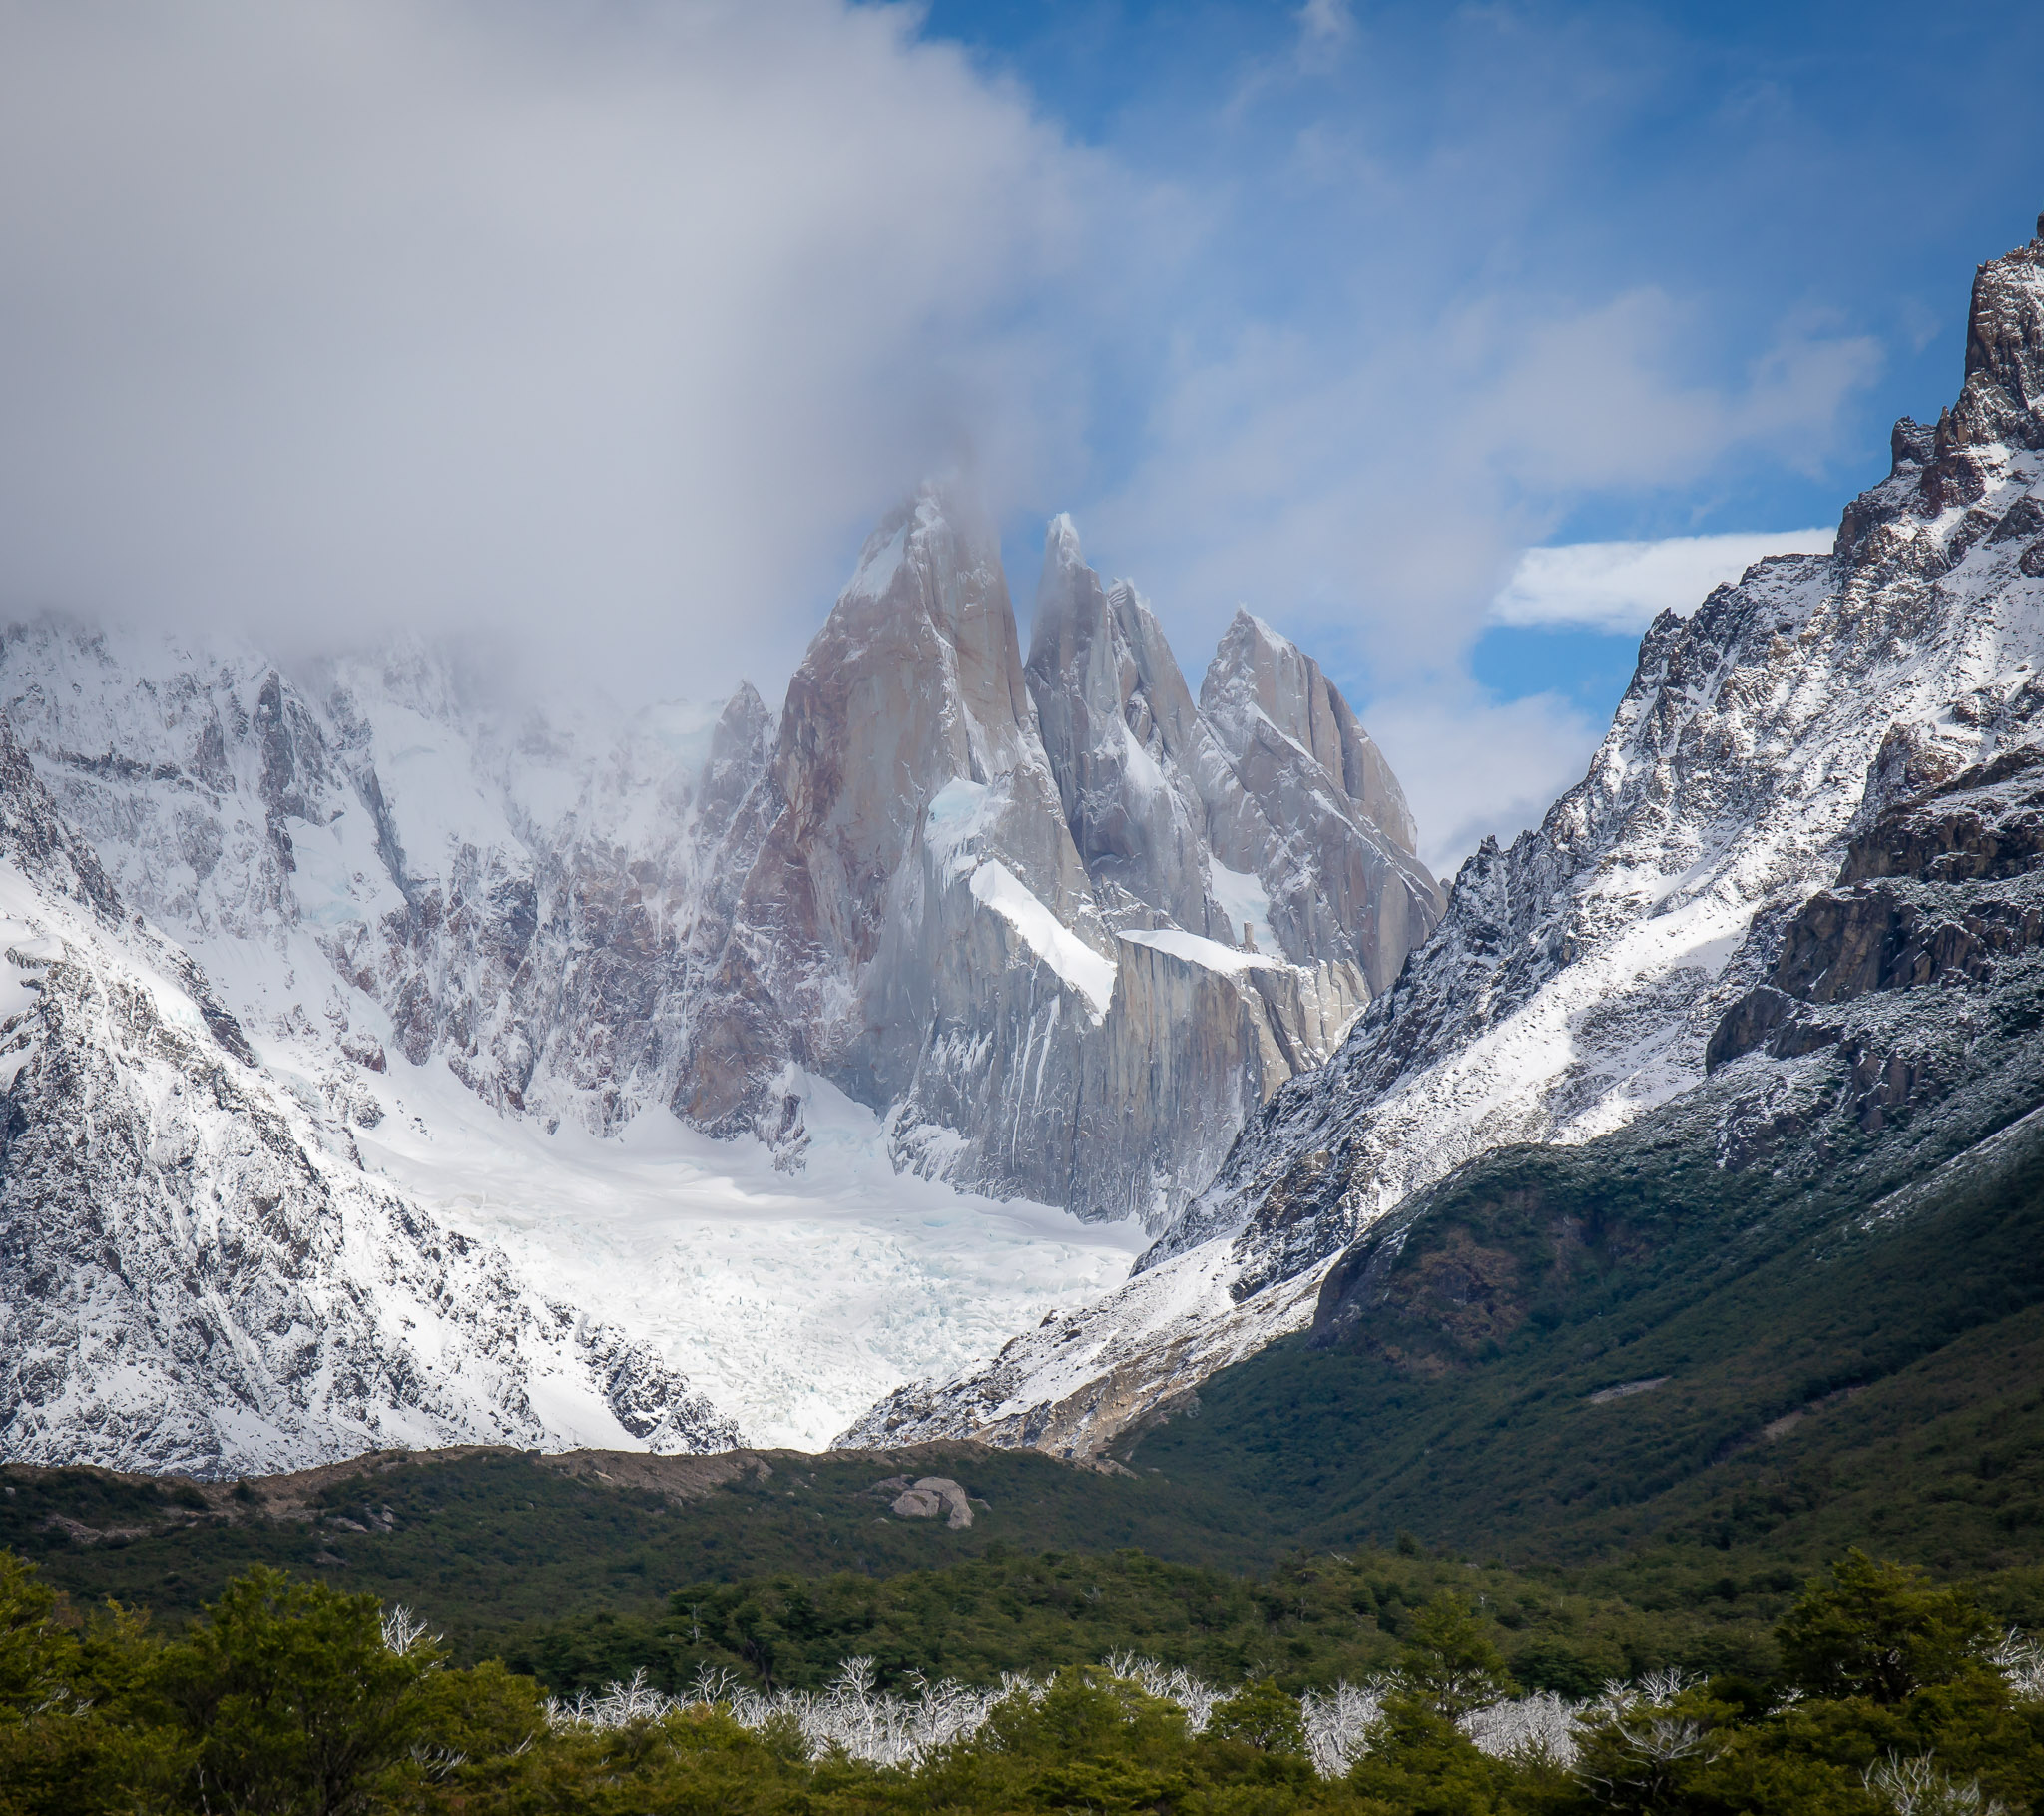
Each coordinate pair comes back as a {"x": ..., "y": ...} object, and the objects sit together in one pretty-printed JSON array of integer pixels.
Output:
[
  {"x": 1578, "y": 977},
  {"x": 911, "y": 883},
  {"x": 1332, "y": 842},
  {"x": 907, "y": 763},
  {"x": 364, "y": 856},
  {"x": 194, "y": 1272}
]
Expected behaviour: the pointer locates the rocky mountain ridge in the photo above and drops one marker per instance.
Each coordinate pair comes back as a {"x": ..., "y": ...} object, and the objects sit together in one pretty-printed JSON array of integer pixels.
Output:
[
  {"x": 880, "y": 887},
  {"x": 252, "y": 898},
  {"x": 196, "y": 1271},
  {"x": 1581, "y": 977}
]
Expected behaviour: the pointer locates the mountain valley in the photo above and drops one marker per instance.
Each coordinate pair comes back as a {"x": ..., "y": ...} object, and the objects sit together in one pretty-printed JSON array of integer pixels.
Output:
[{"x": 388, "y": 1070}]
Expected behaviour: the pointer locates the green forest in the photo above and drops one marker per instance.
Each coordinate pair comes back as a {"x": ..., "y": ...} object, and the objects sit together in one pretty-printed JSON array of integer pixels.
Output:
[{"x": 1877, "y": 1690}]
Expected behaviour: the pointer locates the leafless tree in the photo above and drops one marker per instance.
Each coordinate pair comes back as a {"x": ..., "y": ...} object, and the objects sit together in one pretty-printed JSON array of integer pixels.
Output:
[
  {"x": 1537, "y": 1727},
  {"x": 1915, "y": 1787},
  {"x": 404, "y": 1632},
  {"x": 1340, "y": 1726}
]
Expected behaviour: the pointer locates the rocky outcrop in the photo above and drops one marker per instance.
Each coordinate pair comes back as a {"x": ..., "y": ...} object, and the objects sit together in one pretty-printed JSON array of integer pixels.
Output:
[
  {"x": 1580, "y": 977},
  {"x": 853, "y": 905},
  {"x": 1945, "y": 890},
  {"x": 512, "y": 897},
  {"x": 1888, "y": 1068},
  {"x": 929, "y": 1496},
  {"x": 1126, "y": 745},
  {"x": 1266, "y": 805}
]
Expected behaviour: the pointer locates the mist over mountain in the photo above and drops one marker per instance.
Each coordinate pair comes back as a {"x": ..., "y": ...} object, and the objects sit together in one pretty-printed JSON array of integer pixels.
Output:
[{"x": 1052, "y": 929}]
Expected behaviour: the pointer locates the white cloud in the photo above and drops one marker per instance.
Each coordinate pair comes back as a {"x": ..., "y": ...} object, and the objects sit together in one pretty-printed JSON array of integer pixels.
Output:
[
  {"x": 1625, "y": 585},
  {"x": 1382, "y": 491},
  {"x": 1326, "y": 27},
  {"x": 1473, "y": 766},
  {"x": 600, "y": 329}
]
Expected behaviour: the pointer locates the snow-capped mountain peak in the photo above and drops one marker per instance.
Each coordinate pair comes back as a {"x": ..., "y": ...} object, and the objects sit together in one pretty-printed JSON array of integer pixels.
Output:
[
  {"x": 1577, "y": 977},
  {"x": 433, "y": 926}
]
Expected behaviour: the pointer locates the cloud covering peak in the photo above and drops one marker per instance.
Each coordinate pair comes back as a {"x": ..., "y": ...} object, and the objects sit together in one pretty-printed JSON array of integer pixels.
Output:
[{"x": 577, "y": 322}]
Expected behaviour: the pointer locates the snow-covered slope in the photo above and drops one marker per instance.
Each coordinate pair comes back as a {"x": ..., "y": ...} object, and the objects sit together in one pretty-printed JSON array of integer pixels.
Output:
[
  {"x": 489, "y": 979},
  {"x": 1576, "y": 977},
  {"x": 790, "y": 1299},
  {"x": 368, "y": 862},
  {"x": 197, "y": 1273}
]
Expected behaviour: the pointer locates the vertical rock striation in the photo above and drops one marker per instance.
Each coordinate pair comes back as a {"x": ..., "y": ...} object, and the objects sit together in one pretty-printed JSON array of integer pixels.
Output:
[
  {"x": 964, "y": 857},
  {"x": 1331, "y": 838}
]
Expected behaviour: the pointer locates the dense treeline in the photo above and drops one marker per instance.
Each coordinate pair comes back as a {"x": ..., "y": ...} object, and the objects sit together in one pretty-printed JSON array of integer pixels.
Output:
[
  {"x": 1886, "y": 1692},
  {"x": 1308, "y": 1622},
  {"x": 488, "y": 1540}
]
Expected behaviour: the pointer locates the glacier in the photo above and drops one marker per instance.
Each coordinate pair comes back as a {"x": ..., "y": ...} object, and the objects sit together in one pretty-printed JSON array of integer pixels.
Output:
[{"x": 791, "y": 1300}]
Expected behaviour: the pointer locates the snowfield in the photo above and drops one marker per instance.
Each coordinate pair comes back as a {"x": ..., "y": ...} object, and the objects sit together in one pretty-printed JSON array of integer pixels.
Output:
[{"x": 792, "y": 1302}]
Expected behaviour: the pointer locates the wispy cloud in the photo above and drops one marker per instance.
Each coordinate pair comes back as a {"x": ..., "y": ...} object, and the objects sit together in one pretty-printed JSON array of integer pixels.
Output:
[
  {"x": 1625, "y": 585},
  {"x": 1326, "y": 27},
  {"x": 1473, "y": 766},
  {"x": 1386, "y": 497}
]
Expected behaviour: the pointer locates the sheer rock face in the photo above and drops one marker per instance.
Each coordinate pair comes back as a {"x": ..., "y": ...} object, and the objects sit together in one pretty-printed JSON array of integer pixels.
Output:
[
  {"x": 1338, "y": 852},
  {"x": 1270, "y": 776},
  {"x": 1579, "y": 976},
  {"x": 1125, "y": 743},
  {"x": 1945, "y": 890},
  {"x": 847, "y": 917},
  {"x": 1260, "y": 685},
  {"x": 960, "y": 853}
]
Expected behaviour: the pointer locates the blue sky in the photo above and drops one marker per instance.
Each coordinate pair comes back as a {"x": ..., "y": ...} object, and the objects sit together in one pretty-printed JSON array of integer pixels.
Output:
[
  {"x": 1839, "y": 167},
  {"x": 1803, "y": 189},
  {"x": 594, "y": 332}
]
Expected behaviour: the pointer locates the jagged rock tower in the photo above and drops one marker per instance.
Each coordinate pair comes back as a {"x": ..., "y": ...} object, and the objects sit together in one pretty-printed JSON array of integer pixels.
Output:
[{"x": 1065, "y": 927}]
